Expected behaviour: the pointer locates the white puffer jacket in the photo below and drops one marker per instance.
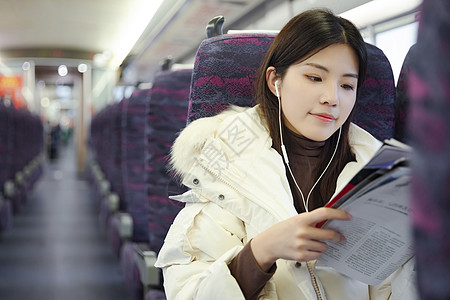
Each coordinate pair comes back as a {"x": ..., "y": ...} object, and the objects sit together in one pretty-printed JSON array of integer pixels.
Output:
[{"x": 239, "y": 189}]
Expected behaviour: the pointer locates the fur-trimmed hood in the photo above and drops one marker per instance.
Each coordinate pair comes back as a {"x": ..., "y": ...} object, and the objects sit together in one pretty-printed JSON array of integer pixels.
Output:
[{"x": 187, "y": 147}]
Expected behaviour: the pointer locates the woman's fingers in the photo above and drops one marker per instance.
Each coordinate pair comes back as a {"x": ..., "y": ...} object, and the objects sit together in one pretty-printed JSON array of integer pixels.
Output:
[
  {"x": 297, "y": 238},
  {"x": 326, "y": 213},
  {"x": 320, "y": 234}
]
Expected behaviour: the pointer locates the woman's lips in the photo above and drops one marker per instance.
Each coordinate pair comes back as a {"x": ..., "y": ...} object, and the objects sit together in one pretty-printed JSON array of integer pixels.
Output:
[{"x": 325, "y": 117}]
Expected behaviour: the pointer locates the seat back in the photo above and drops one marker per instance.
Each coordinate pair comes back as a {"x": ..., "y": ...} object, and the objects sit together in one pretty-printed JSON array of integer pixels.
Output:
[
  {"x": 403, "y": 97},
  {"x": 134, "y": 156},
  {"x": 166, "y": 117},
  {"x": 375, "y": 106},
  {"x": 5, "y": 145},
  {"x": 225, "y": 68},
  {"x": 224, "y": 72}
]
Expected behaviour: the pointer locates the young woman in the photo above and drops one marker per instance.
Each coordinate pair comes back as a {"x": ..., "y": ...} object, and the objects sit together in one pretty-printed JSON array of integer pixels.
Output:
[{"x": 260, "y": 176}]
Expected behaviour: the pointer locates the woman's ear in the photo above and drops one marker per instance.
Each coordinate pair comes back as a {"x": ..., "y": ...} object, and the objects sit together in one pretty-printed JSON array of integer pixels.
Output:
[{"x": 271, "y": 78}]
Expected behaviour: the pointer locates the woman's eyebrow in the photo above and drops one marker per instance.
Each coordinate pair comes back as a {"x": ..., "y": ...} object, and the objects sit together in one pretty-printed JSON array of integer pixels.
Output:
[{"x": 314, "y": 65}]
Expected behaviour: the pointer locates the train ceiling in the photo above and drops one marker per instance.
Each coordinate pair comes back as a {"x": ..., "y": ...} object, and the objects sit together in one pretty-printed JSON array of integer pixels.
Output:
[{"x": 92, "y": 29}]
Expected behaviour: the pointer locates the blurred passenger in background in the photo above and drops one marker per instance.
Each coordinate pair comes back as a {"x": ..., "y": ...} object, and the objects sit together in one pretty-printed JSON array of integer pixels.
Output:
[{"x": 54, "y": 140}]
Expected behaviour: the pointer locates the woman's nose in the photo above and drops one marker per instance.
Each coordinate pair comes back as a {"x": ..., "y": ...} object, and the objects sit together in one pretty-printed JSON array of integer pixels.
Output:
[{"x": 330, "y": 95}]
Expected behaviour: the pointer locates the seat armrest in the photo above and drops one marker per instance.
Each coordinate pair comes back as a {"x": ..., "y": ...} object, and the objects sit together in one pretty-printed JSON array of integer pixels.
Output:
[
  {"x": 145, "y": 260},
  {"x": 113, "y": 202},
  {"x": 104, "y": 187},
  {"x": 124, "y": 225},
  {"x": 9, "y": 189}
]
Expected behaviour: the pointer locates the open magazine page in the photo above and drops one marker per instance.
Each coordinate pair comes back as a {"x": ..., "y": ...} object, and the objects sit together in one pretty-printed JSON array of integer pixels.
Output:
[
  {"x": 386, "y": 158},
  {"x": 378, "y": 238}
]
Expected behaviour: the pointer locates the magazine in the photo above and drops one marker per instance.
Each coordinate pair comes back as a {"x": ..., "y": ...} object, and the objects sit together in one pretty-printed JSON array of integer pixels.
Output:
[{"x": 378, "y": 238}]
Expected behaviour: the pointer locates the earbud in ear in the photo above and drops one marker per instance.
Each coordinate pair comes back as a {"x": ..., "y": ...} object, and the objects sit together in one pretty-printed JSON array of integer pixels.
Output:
[{"x": 276, "y": 88}]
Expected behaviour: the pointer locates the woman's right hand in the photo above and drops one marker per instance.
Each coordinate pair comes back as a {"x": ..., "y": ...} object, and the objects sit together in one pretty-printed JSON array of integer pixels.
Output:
[{"x": 297, "y": 238}]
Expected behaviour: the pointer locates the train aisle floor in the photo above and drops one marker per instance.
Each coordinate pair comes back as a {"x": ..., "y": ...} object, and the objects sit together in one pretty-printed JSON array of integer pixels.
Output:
[{"x": 55, "y": 248}]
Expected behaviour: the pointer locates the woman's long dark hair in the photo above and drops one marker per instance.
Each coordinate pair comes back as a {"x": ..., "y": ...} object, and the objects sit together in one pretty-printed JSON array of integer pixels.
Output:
[{"x": 302, "y": 37}]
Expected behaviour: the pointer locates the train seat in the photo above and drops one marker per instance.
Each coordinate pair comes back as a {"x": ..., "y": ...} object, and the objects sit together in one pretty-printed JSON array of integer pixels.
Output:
[
  {"x": 21, "y": 159},
  {"x": 117, "y": 170},
  {"x": 104, "y": 171},
  {"x": 403, "y": 97},
  {"x": 130, "y": 221},
  {"x": 224, "y": 72},
  {"x": 167, "y": 115},
  {"x": 5, "y": 153},
  {"x": 375, "y": 105}
]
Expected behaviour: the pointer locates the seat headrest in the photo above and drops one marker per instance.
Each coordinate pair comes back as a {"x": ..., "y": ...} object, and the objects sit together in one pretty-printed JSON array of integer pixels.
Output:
[
  {"x": 224, "y": 72},
  {"x": 375, "y": 106}
]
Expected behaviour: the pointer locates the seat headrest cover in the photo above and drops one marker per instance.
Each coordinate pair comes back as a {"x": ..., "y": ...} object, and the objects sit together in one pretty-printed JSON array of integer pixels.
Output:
[
  {"x": 224, "y": 72},
  {"x": 375, "y": 107}
]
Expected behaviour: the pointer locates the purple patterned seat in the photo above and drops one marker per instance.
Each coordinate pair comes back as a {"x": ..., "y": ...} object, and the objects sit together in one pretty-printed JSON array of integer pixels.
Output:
[
  {"x": 21, "y": 146},
  {"x": 109, "y": 156},
  {"x": 133, "y": 161},
  {"x": 375, "y": 107},
  {"x": 168, "y": 104},
  {"x": 155, "y": 295},
  {"x": 429, "y": 132},
  {"x": 98, "y": 142},
  {"x": 104, "y": 144},
  {"x": 167, "y": 116},
  {"x": 118, "y": 140},
  {"x": 224, "y": 72},
  {"x": 23, "y": 143},
  {"x": 5, "y": 159},
  {"x": 403, "y": 97},
  {"x": 225, "y": 69}
]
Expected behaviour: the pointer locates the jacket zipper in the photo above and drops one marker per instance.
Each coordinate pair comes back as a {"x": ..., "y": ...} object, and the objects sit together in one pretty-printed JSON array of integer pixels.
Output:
[
  {"x": 311, "y": 272},
  {"x": 314, "y": 282}
]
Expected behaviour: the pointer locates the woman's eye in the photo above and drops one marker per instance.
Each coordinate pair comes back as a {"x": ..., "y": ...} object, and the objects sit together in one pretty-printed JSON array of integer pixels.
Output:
[
  {"x": 314, "y": 78},
  {"x": 347, "y": 87}
]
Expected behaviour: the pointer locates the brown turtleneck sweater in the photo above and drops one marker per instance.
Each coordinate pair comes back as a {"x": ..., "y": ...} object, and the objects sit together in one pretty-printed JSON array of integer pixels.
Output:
[{"x": 304, "y": 160}]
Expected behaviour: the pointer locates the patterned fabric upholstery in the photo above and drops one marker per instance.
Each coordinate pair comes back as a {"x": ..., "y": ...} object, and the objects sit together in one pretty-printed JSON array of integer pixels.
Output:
[
  {"x": 113, "y": 154},
  {"x": 5, "y": 215},
  {"x": 403, "y": 97},
  {"x": 21, "y": 141},
  {"x": 166, "y": 117},
  {"x": 108, "y": 145},
  {"x": 429, "y": 131},
  {"x": 130, "y": 271},
  {"x": 224, "y": 72},
  {"x": 5, "y": 145},
  {"x": 375, "y": 106},
  {"x": 155, "y": 295},
  {"x": 225, "y": 69},
  {"x": 134, "y": 156}
]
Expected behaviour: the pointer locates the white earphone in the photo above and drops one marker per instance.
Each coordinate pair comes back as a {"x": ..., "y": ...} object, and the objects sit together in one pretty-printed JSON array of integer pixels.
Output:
[
  {"x": 276, "y": 89},
  {"x": 286, "y": 159}
]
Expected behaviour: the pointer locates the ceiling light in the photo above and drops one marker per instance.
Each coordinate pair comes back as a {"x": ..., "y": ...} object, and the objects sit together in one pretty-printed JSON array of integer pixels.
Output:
[
  {"x": 26, "y": 66},
  {"x": 378, "y": 10},
  {"x": 82, "y": 68},
  {"x": 45, "y": 102},
  {"x": 62, "y": 70},
  {"x": 138, "y": 20}
]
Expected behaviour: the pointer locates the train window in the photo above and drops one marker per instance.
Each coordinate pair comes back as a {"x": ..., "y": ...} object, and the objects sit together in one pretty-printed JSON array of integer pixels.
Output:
[{"x": 395, "y": 43}]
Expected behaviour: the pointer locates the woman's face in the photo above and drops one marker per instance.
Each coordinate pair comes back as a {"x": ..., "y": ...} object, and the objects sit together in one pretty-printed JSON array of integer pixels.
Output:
[{"x": 318, "y": 94}]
